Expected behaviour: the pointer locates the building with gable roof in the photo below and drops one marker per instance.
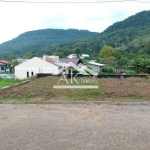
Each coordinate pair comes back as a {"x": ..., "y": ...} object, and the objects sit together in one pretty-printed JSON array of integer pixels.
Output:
[
  {"x": 4, "y": 65},
  {"x": 44, "y": 65}
]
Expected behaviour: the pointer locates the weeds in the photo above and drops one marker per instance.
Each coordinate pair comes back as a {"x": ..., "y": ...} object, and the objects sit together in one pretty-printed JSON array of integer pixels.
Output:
[
  {"x": 87, "y": 94},
  {"x": 108, "y": 88},
  {"x": 139, "y": 96}
]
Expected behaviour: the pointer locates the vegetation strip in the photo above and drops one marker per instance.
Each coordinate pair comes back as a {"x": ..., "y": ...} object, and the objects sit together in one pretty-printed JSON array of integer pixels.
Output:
[
  {"x": 20, "y": 83},
  {"x": 78, "y": 102}
]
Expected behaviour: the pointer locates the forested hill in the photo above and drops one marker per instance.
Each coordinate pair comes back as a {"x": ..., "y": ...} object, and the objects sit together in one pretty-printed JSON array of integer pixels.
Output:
[
  {"x": 141, "y": 19},
  {"x": 43, "y": 37},
  {"x": 131, "y": 35}
]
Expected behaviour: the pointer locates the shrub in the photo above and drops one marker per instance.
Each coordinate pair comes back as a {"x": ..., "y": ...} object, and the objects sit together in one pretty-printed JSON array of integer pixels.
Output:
[
  {"x": 104, "y": 69},
  {"x": 108, "y": 70}
]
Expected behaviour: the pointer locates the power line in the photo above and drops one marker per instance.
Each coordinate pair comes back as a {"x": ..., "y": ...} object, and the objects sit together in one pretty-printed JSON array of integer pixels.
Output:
[{"x": 81, "y": 1}]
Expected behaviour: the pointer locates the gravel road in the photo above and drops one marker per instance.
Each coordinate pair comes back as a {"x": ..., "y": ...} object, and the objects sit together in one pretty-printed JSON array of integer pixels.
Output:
[{"x": 74, "y": 127}]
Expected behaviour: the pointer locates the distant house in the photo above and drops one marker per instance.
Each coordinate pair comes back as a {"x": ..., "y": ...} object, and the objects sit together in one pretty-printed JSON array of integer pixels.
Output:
[
  {"x": 4, "y": 66},
  {"x": 84, "y": 56},
  {"x": 75, "y": 61},
  {"x": 94, "y": 66},
  {"x": 75, "y": 56},
  {"x": 45, "y": 65},
  {"x": 72, "y": 56}
]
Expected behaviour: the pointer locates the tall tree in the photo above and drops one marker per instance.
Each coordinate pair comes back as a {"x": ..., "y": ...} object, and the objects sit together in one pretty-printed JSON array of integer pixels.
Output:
[
  {"x": 10, "y": 57},
  {"x": 15, "y": 63},
  {"x": 27, "y": 55},
  {"x": 110, "y": 60},
  {"x": 106, "y": 51}
]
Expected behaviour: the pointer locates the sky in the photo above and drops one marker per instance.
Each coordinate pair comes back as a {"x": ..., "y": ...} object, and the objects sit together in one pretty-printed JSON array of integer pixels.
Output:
[{"x": 19, "y": 17}]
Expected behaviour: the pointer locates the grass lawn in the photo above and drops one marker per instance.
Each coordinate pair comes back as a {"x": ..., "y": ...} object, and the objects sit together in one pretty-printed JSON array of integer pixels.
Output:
[{"x": 8, "y": 82}]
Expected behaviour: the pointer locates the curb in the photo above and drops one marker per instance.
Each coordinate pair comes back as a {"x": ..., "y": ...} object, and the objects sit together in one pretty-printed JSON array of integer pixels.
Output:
[{"x": 79, "y": 102}]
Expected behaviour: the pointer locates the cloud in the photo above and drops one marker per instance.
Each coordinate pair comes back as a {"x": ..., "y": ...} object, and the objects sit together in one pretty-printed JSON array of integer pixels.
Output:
[{"x": 17, "y": 18}]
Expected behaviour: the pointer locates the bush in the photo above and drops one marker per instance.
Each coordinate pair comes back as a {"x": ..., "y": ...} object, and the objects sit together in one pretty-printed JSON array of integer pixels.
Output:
[
  {"x": 129, "y": 71},
  {"x": 104, "y": 69},
  {"x": 108, "y": 70}
]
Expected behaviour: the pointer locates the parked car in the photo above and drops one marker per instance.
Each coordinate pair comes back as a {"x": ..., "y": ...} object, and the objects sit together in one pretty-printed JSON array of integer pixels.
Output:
[{"x": 5, "y": 76}]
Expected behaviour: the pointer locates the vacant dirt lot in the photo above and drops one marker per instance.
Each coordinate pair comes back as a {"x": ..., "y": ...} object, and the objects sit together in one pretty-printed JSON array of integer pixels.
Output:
[
  {"x": 42, "y": 89},
  {"x": 74, "y": 127}
]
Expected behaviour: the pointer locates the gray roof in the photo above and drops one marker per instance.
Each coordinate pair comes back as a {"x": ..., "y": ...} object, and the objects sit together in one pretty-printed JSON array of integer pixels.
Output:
[{"x": 94, "y": 63}]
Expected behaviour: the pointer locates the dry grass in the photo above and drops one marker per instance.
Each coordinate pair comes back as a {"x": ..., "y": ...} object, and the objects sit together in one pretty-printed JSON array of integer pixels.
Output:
[
  {"x": 127, "y": 87},
  {"x": 109, "y": 89}
]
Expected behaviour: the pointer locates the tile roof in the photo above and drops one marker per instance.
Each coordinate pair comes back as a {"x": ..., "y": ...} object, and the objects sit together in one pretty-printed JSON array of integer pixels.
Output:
[
  {"x": 5, "y": 62},
  {"x": 73, "y": 60}
]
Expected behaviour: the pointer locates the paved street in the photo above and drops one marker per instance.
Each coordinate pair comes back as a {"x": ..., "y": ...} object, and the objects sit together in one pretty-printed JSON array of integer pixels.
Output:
[{"x": 74, "y": 127}]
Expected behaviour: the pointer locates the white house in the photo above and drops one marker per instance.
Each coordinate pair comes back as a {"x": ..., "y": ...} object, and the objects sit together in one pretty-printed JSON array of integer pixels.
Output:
[
  {"x": 72, "y": 56},
  {"x": 45, "y": 65},
  {"x": 34, "y": 66},
  {"x": 84, "y": 56},
  {"x": 97, "y": 67}
]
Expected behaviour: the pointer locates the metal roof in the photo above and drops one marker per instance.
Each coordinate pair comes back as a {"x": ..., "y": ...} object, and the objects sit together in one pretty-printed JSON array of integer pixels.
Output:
[{"x": 94, "y": 63}]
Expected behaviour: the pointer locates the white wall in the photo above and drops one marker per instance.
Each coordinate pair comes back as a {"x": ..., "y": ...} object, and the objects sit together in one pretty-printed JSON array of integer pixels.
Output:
[{"x": 35, "y": 65}]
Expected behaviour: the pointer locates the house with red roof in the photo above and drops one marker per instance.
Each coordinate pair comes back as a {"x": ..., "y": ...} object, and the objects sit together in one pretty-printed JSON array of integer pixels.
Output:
[{"x": 4, "y": 65}]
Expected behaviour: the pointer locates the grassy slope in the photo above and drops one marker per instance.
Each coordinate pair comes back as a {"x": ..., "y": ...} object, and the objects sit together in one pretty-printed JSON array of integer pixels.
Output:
[
  {"x": 8, "y": 82},
  {"x": 109, "y": 89}
]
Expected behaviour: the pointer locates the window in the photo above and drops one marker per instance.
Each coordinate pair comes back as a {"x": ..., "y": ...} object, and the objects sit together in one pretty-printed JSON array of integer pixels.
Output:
[
  {"x": 2, "y": 68},
  {"x": 27, "y": 74},
  {"x": 32, "y": 73}
]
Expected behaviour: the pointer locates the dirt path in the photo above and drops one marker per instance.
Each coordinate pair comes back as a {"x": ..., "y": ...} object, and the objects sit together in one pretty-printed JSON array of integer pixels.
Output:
[{"x": 74, "y": 127}]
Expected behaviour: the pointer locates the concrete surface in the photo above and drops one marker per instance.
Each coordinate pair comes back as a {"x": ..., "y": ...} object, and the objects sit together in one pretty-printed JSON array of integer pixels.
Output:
[{"x": 74, "y": 127}]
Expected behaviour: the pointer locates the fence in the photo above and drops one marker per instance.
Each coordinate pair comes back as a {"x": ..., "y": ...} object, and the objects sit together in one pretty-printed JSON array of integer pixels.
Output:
[{"x": 99, "y": 76}]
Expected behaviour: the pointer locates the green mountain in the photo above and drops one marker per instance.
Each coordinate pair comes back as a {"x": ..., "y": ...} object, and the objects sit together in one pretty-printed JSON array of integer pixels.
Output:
[
  {"x": 131, "y": 35},
  {"x": 43, "y": 37}
]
